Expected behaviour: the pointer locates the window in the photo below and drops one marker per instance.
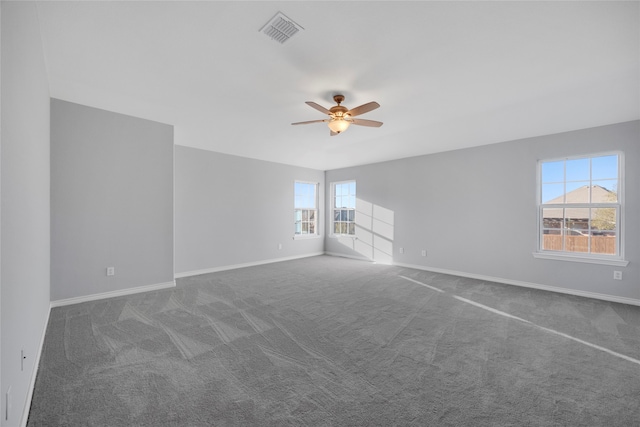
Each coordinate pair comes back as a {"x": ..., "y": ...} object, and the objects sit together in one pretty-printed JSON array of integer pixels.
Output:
[
  {"x": 344, "y": 208},
  {"x": 580, "y": 207},
  {"x": 305, "y": 207}
]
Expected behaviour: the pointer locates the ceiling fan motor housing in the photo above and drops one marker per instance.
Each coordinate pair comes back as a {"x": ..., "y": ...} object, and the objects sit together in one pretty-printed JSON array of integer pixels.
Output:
[{"x": 339, "y": 111}]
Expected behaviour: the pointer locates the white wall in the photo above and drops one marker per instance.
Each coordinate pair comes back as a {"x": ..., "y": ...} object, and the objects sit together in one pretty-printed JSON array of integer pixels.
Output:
[
  {"x": 232, "y": 210},
  {"x": 24, "y": 203},
  {"x": 474, "y": 210},
  {"x": 111, "y": 201}
]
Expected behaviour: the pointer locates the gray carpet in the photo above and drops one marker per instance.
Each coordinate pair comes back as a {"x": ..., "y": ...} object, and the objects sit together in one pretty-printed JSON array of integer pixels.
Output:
[{"x": 327, "y": 341}]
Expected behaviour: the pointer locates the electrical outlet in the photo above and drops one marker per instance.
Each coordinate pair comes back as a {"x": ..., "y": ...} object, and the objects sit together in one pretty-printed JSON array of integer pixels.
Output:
[
  {"x": 617, "y": 275},
  {"x": 111, "y": 271},
  {"x": 401, "y": 250},
  {"x": 424, "y": 252}
]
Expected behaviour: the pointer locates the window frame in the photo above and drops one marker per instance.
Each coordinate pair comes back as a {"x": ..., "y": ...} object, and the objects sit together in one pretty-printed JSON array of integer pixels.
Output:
[
  {"x": 586, "y": 257},
  {"x": 316, "y": 232},
  {"x": 332, "y": 209}
]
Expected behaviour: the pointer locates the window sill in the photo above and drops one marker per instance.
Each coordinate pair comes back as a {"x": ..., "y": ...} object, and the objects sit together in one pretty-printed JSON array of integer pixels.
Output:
[
  {"x": 577, "y": 258},
  {"x": 306, "y": 236}
]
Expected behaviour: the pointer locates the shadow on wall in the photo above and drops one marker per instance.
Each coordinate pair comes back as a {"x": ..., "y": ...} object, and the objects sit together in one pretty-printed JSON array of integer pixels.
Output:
[{"x": 373, "y": 234}]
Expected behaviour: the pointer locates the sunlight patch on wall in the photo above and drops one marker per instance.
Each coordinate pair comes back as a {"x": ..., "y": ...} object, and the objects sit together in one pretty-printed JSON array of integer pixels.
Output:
[{"x": 374, "y": 232}]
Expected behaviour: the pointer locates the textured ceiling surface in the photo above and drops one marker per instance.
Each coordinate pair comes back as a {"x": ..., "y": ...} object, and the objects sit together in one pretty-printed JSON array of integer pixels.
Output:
[{"x": 447, "y": 75}]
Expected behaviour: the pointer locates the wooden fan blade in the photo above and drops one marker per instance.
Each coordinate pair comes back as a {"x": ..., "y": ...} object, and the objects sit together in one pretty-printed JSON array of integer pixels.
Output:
[
  {"x": 332, "y": 133},
  {"x": 318, "y": 107},
  {"x": 363, "y": 122},
  {"x": 310, "y": 121},
  {"x": 364, "y": 108}
]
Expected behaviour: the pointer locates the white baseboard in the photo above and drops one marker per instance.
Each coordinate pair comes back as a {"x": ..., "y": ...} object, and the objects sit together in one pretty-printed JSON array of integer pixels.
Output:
[
  {"x": 605, "y": 297},
  {"x": 111, "y": 294},
  {"x": 243, "y": 265},
  {"x": 34, "y": 372}
]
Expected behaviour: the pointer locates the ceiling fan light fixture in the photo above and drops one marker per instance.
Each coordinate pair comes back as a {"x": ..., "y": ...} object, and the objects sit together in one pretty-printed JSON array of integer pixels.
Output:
[{"x": 338, "y": 124}]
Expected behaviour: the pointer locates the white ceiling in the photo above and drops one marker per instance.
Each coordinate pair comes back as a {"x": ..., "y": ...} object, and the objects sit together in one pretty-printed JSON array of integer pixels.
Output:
[{"x": 448, "y": 75}]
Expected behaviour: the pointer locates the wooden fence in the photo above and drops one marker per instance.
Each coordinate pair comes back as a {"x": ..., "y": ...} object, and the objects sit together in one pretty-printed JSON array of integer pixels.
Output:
[{"x": 599, "y": 244}]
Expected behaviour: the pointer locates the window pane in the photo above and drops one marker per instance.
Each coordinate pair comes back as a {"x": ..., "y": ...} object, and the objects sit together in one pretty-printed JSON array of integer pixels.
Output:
[
  {"x": 604, "y": 167},
  {"x": 336, "y": 227},
  {"x": 604, "y": 244},
  {"x": 305, "y": 215},
  {"x": 352, "y": 228},
  {"x": 577, "y": 192},
  {"x": 312, "y": 228},
  {"x": 577, "y": 218},
  {"x": 336, "y": 215},
  {"x": 552, "y": 193},
  {"x": 352, "y": 188},
  {"x": 553, "y": 171},
  {"x": 578, "y": 170},
  {"x": 604, "y": 191},
  {"x": 552, "y": 217},
  {"x": 298, "y": 227},
  {"x": 312, "y": 215},
  {"x": 603, "y": 221},
  {"x": 351, "y": 215},
  {"x": 305, "y": 228},
  {"x": 552, "y": 240},
  {"x": 298, "y": 215},
  {"x": 574, "y": 243}
]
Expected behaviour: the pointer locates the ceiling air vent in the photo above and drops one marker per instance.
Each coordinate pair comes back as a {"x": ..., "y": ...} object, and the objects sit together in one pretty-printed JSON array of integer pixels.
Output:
[{"x": 280, "y": 28}]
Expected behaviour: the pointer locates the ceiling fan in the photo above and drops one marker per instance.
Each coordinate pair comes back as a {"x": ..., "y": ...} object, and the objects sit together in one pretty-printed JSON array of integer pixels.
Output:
[{"x": 341, "y": 117}]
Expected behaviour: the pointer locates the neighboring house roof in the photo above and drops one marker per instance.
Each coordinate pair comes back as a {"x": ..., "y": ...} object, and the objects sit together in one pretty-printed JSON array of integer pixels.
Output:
[{"x": 599, "y": 194}]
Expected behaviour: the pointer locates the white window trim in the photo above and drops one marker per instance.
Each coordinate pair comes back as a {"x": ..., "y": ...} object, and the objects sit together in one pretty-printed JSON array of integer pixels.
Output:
[
  {"x": 615, "y": 260},
  {"x": 315, "y": 235},
  {"x": 331, "y": 202}
]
